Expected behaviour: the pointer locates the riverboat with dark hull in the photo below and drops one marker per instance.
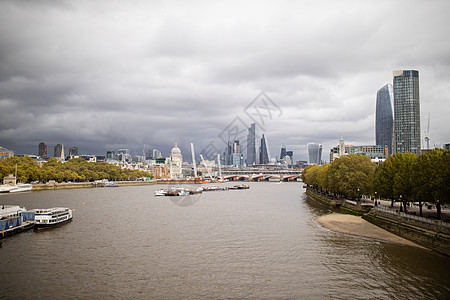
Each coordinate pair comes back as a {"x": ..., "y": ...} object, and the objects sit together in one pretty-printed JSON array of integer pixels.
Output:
[{"x": 52, "y": 217}]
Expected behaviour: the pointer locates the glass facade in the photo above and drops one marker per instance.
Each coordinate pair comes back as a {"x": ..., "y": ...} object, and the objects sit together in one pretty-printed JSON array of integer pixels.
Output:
[
  {"x": 406, "y": 112},
  {"x": 251, "y": 145},
  {"x": 384, "y": 119},
  {"x": 314, "y": 153},
  {"x": 264, "y": 158}
]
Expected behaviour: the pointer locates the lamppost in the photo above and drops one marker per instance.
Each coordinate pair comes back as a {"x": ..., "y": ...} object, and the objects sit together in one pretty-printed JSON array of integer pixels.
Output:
[
  {"x": 375, "y": 198},
  {"x": 401, "y": 202},
  {"x": 358, "y": 196}
]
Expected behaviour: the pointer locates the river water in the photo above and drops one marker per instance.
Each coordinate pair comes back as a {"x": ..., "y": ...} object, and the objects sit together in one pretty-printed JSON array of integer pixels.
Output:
[{"x": 261, "y": 243}]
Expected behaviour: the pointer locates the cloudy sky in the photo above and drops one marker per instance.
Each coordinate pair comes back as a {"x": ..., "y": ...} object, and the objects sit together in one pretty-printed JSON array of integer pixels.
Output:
[{"x": 104, "y": 75}]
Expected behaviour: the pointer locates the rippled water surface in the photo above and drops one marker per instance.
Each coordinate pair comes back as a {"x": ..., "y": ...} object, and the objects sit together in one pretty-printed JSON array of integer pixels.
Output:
[{"x": 261, "y": 243}]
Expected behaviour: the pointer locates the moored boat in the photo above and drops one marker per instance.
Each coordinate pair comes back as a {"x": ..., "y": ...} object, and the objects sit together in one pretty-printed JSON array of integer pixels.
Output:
[{"x": 52, "y": 217}]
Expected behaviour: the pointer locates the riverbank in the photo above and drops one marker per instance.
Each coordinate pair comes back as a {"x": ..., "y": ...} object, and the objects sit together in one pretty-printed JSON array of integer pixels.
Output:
[
  {"x": 78, "y": 185},
  {"x": 354, "y": 225},
  {"x": 434, "y": 239}
]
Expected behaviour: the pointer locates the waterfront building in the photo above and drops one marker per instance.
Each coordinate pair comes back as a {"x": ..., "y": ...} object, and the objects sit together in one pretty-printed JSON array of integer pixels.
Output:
[
  {"x": 175, "y": 163},
  {"x": 384, "y": 118},
  {"x": 264, "y": 156},
  {"x": 406, "y": 112},
  {"x": 251, "y": 146},
  {"x": 42, "y": 152},
  {"x": 5, "y": 153},
  {"x": 375, "y": 152},
  {"x": 58, "y": 151},
  {"x": 314, "y": 153}
]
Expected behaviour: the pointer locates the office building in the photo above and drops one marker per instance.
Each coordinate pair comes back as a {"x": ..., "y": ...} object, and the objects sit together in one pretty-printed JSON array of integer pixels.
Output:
[
  {"x": 314, "y": 153},
  {"x": 264, "y": 157},
  {"x": 58, "y": 151},
  {"x": 5, "y": 153},
  {"x": 283, "y": 151},
  {"x": 384, "y": 118},
  {"x": 251, "y": 145},
  {"x": 73, "y": 151},
  {"x": 110, "y": 155},
  {"x": 42, "y": 150},
  {"x": 406, "y": 112}
]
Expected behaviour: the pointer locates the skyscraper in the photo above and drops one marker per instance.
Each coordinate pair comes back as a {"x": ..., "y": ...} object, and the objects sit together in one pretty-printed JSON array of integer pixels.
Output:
[
  {"x": 251, "y": 145},
  {"x": 42, "y": 149},
  {"x": 59, "y": 151},
  {"x": 264, "y": 158},
  {"x": 384, "y": 118},
  {"x": 406, "y": 112},
  {"x": 314, "y": 153},
  {"x": 283, "y": 151},
  {"x": 73, "y": 151}
]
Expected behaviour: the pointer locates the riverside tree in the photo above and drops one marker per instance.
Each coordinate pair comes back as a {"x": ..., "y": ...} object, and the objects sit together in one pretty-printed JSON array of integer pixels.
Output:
[{"x": 432, "y": 178}]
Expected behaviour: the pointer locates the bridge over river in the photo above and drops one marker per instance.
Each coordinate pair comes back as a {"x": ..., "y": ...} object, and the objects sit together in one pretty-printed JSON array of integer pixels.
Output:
[{"x": 252, "y": 175}]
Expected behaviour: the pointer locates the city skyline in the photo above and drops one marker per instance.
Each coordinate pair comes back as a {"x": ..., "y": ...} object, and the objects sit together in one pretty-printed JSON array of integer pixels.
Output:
[{"x": 143, "y": 75}]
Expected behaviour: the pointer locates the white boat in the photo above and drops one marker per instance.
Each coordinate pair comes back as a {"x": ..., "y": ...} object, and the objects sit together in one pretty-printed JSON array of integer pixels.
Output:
[
  {"x": 21, "y": 187},
  {"x": 52, "y": 217},
  {"x": 160, "y": 192}
]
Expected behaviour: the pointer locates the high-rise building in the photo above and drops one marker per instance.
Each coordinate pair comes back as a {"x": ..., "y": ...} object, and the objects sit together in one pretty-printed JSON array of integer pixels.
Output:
[
  {"x": 110, "y": 155},
  {"x": 228, "y": 153},
  {"x": 290, "y": 153},
  {"x": 236, "y": 157},
  {"x": 59, "y": 151},
  {"x": 251, "y": 145},
  {"x": 314, "y": 153},
  {"x": 73, "y": 151},
  {"x": 283, "y": 151},
  {"x": 384, "y": 118},
  {"x": 264, "y": 158},
  {"x": 406, "y": 112},
  {"x": 42, "y": 149}
]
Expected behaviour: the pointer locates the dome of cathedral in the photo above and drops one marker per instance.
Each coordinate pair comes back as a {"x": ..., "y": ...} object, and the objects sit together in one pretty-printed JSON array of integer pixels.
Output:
[{"x": 175, "y": 149}]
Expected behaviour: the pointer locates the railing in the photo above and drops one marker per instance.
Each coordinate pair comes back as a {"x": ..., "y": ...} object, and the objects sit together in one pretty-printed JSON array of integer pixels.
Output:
[{"x": 439, "y": 224}]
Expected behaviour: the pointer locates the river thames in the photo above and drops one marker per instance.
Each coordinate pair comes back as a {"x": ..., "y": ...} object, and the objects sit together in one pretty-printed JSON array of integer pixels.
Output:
[{"x": 261, "y": 243}]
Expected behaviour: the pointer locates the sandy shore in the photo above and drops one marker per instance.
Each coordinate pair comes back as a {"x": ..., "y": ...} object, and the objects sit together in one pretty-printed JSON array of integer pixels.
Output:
[{"x": 354, "y": 225}]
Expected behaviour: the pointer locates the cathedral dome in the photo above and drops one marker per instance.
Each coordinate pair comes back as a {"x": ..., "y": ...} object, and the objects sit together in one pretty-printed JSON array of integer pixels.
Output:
[{"x": 175, "y": 149}]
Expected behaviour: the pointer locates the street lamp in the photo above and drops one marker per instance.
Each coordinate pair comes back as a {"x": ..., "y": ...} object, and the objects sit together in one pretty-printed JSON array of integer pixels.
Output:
[
  {"x": 375, "y": 198},
  {"x": 358, "y": 195},
  {"x": 401, "y": 202}
]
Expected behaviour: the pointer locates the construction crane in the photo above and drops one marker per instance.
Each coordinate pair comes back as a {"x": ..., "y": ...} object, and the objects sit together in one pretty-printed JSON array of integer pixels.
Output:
[{"x": 427, "y": 133}]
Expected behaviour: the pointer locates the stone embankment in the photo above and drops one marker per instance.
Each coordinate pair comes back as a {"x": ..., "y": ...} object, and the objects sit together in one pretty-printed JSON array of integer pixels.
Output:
[{"x": 436, "y": 238}]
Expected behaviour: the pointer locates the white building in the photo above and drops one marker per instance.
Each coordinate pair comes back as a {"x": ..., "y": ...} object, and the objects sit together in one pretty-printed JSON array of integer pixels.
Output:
[{"x": 175, "y": 163}]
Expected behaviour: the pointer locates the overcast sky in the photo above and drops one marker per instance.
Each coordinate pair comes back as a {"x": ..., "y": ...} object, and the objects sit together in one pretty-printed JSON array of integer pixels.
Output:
[{"x": 104, "y": 75}]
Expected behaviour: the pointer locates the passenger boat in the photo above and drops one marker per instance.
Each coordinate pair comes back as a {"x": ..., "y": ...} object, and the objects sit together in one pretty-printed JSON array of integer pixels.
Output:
[
  {"x": 160, "y": 192},
  {"x": 21, "y": 187},
  {"x": 52, "y": 217}
]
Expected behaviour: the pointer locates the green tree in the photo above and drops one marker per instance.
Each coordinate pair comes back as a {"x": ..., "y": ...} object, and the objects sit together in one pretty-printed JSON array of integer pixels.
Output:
[{"x": 352, "y": 175}]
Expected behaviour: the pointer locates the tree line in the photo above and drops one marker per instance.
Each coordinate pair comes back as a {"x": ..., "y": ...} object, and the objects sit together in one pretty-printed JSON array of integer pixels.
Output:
[
  {"x": 402, "y": 177},
  {"x": 75, "y": 170}
]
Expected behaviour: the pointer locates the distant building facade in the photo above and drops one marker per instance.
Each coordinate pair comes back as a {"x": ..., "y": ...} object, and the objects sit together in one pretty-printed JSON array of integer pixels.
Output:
[
  {"x": 375, "y": 152},
  {"x": 73, "y": 151},
  {"x": 264, "y": 157},
  {"x": 175, "y": 163},
  {"x": 5, "y": 153},
  {"x": 384, "y": 118},
  {"x": 42, "y": 151},
  {"x": 251, "y": 146},
  {"x": 314, "y": 153},
  {"x": 406, "y": 112},
  {"x": 58, "y": 151}
]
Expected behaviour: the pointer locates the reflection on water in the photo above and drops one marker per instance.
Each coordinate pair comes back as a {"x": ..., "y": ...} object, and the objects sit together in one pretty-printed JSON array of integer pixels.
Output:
[{"x": 257, "y": 243}]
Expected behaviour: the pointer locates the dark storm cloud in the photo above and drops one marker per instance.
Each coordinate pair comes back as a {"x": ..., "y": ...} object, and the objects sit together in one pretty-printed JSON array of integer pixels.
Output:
[{"x": 103, "y": 75}]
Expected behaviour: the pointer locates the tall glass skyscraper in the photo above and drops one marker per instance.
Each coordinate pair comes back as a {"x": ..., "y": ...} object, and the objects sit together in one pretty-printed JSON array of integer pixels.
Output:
[
  {"x": 264, "y": 158},
  {"x": 251, "y": 145},
  {"x": 406, "y": 112},
  {"x": 314, "y": 153},
  {"x": 384, "y": 119}
]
